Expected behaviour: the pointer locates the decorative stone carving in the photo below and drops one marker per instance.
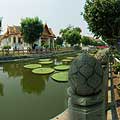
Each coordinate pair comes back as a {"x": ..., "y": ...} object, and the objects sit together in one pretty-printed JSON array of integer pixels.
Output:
[
  {"x": 86, "y": 98},
  {"x": 102, "y": 56},
  {"x": 85, "y": 75}
]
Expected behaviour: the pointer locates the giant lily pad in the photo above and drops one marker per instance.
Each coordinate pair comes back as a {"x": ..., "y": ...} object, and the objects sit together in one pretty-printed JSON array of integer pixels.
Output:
[
  {"x": 43, "y": 71},
  {"x": 78, "y": 54},
  {"x": 60, "y": 76},
  {"x": 62, "y": 67},
  {"x": 71, "y": 58},
  {"x": 66, "y": 60},
  {"x": 32, "y": 66},
  {"x": 46, "y": 62}
]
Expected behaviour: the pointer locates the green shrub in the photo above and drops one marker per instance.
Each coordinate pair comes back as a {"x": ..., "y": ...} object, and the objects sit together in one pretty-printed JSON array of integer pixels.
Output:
[
  {"x": 77, "y": 47},
  {"x": 7, "y": 47},
  {"x": 117, "y": 55},
  {"x": 116, "y": 68}
]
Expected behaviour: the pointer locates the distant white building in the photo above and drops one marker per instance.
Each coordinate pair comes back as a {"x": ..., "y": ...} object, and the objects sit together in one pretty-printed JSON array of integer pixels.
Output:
[{"x": 13, "y": 38}]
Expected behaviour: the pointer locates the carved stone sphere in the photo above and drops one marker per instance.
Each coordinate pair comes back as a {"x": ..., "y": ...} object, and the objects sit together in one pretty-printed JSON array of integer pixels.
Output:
[{"x": 85, "y": 75}]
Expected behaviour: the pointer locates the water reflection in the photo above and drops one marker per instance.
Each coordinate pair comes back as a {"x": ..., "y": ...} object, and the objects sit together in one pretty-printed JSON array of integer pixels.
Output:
[
  {"x": 13, "y": 69},
  {"x": 1, "y": 90},
  {"x": 33, "y": 84},
  {"x": 57, "y": 62}
]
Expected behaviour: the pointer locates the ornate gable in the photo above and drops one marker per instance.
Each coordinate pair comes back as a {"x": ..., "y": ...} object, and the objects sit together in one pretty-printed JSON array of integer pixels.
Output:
[{"x": 47, "y": 33}]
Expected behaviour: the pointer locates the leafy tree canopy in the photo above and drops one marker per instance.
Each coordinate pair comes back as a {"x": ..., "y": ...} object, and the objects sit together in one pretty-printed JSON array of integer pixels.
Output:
[
  {"x": 103, "y": 18},
  {"x": 71, "y": 35},
  {"x": 59, "y": 41},
  {"x": 31, "y": 29},
  {"x": 86, "y": 40}
]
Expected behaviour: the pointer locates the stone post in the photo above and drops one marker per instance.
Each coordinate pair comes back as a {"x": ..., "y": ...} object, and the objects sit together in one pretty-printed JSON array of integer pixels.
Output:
[{"x": 86, "y": 100}]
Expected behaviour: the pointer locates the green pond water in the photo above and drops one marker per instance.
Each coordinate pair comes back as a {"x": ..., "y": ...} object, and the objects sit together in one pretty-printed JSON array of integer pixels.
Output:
[{"x": 26, "y": 96}]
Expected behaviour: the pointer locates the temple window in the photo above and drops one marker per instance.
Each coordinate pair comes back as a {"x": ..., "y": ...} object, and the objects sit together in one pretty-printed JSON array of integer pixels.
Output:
[
  {"x": 14, "y": 39},
  {"x": 19, "y": 40}
]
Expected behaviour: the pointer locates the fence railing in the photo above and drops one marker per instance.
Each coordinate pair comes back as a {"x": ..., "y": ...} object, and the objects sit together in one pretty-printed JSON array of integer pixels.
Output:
[
  {"x": 113, "y": 105},
  {"x": 7, "y": 52}
]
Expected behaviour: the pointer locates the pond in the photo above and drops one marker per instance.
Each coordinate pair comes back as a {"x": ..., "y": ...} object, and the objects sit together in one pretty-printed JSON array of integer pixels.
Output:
[{"x": 27, "y": 96}]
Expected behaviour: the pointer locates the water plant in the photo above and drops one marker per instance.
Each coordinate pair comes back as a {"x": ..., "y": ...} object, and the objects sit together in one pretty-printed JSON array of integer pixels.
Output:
[
  {"x": 71, "y": 58},
  {"x": 60, "y": 76},
  {"x": 32, "y": 66},
  {"x": 62, "y": 67},
  {"x": 66, "y": 60},
  {"x": 43, "y": 71},
  {"x": 46, "y": 62}
]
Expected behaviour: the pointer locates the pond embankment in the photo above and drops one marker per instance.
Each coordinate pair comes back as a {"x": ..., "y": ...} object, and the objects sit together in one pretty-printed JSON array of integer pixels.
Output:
[{"x": 36, "y": 56}]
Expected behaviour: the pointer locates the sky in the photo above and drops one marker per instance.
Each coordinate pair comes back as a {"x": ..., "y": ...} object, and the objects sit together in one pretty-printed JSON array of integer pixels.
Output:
[{"x": 57, "y": 14}]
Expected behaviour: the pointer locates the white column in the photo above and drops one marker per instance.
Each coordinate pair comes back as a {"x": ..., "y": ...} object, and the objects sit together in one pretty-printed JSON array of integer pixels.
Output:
[
  {"x": 12, "y": 41},
  {"x": 53, "y": 42},
  {"x": 16, "y": 39},
  {"x": 7, "y": 41},
  {"x": 40, "y": 42},
  {"x": 49, "y": 42}
]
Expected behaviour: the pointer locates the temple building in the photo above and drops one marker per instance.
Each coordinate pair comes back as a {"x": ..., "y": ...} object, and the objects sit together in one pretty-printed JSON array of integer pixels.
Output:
[
  {"x": 47, "y": 37},
  {"x": 13, "y": 37}
]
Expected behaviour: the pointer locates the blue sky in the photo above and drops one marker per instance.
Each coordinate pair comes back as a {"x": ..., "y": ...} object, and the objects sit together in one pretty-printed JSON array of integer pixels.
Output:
[{"x": 56, "y": 13}]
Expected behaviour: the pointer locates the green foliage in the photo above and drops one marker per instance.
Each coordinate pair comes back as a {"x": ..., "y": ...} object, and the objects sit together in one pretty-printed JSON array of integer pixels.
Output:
[
  {"x": 86, "y": 40},
  {"x": 117, "y": 55},
  {"x": 116, "y": 68},
  {"x": 31, "y": 29},
  {"x": 71, "y": 35},
  {"x": 95, "y": 43},
  {"x": 103, "y": 18},
  {"x": 91, "y": 41},
  {"x": 59, "y": 41},
  {"x": 7, "y": 47}
]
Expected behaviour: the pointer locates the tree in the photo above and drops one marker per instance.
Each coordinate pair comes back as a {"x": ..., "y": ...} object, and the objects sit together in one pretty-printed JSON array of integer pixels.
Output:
[
  {"x": 85, "y": 40},
  {"x": 103, "y": 18},
  {"x": 31, "y": 29},
  {"x": 59, "y": 41},
  {"x": 71, "y": 35}
]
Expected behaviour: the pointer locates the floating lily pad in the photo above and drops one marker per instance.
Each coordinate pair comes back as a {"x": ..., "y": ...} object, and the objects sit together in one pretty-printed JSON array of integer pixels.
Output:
[
  {"x": 62, "y": 67},
  {"x": 32, "y": 66},
  {"x": 43, "y": 71},
  {"x": 66, "y": 60},
  {"x": 60, "y": 77},
  {"x": 71, "y": 58},
  {"x": 78, "y": 54},
  {"x": 46, "y": 62}
]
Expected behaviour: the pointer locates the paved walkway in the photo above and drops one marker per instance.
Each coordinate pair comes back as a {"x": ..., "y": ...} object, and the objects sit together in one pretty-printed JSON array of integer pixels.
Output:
[{"x": 116, "y": 80}]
